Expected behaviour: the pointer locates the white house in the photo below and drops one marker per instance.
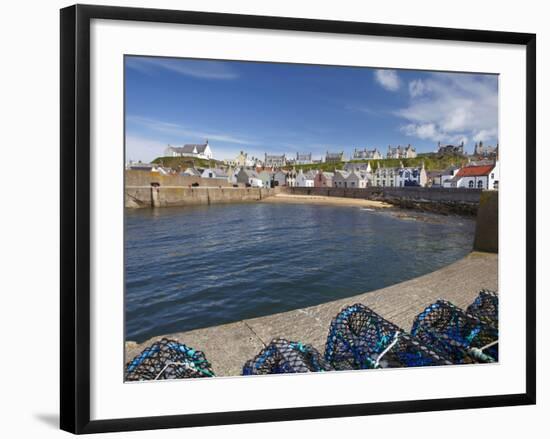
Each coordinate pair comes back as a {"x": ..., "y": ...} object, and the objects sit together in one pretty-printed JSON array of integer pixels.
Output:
[
  {"x": 401, "y": 152},
  {"x": 356, "y": 179},
  {"x": 279, "y": 178},
  {"x": 366, "y": 154},
  {"x": 291, "y": 178},
  {"x": 385, "y": 177},
  {"x": 448, "y": 175},
  {"x": 232, "y": 175},
  {"x": 361, "y": 167},
  {"x": 477, "y": 177},
  {"x": 412, "y": 176},
  {"x": 266, "y": 178},
  {"x": 249, "y": 178},
  {"x": 305, "y": 180},
  {"x": 400, "y": 176},
  {"x": 201, "y": 151},
  {"x": 214, "y": 173},
  {"x": 340, "y": 178},
  {"x": 255, "y": 182}
]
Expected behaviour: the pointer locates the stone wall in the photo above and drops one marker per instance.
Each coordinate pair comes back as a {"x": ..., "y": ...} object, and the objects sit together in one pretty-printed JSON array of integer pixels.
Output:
[
  {"x": 145, "y": 178},
  {"x": 167, "y": 196},
  {"x": 413, "y": 193},
  {"x": 437, "y": 200},
  {"x": 486, "y": 237}
]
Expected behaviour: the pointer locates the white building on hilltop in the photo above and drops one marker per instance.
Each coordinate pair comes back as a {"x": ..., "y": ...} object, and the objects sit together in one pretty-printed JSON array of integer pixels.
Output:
[
  {"x": 367, "y": 154},
  {"x": 401, "y": 152},
  {"x": 200, "y": 151},
  {"x": 303, "y": 159},
  {"x": 274, "y": 161},
  {"x": 243, "y": 160}
]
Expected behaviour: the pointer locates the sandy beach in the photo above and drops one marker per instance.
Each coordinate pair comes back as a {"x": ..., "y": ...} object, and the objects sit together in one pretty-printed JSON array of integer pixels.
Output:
[{"x": 329, "y": 201}]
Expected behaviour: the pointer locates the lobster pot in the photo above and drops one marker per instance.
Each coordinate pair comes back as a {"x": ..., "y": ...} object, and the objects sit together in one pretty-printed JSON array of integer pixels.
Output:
[
  {"x": 485, "y": 307},
  {"x": 166, "y": 360},
  {"x": 360, "y": 339},
  {"x": 462, "y": 337},
  {"x": 283, "y": 356},
  {"x": 408, "y": 351}
]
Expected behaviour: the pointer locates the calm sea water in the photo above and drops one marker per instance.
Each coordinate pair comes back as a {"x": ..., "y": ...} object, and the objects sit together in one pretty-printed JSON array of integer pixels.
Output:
[{"x": 195, "y": 267}]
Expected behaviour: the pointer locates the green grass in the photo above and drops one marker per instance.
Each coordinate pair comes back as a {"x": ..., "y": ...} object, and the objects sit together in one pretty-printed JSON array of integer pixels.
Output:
[{"x": 431, "y": 161}]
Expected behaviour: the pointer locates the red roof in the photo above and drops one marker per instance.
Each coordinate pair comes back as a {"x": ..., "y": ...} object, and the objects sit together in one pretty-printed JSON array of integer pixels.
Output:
[{"x": 475, "y": 171}]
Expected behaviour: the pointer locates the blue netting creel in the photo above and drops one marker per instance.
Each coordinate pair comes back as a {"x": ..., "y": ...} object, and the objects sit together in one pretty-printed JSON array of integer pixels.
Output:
[
  {"x": 168, "y": 359},
  {"x": 283, "y": 356},
  {"x": 360, "y": 339},
  {"x": 485, "y": 307},
  {"x": 463, "y": 337}
]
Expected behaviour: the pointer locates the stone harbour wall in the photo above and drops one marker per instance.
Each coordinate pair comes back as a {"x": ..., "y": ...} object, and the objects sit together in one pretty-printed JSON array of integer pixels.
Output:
[
  {"x": 437, "y": 200},
  {"x": 168, "y": 196},
  {"x": 146, "y": 178}
]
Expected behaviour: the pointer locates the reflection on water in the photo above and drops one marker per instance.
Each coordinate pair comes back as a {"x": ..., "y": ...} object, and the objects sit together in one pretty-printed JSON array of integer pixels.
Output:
[{"x": 194, "y": 267}]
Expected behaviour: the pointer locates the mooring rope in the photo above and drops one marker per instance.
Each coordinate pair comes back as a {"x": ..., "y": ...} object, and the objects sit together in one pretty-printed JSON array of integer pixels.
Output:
[{"x": 385, "y": 351}]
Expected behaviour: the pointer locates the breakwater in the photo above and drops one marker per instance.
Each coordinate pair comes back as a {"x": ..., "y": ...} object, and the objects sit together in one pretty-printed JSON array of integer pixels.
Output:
[
  {"x": 437, "y": 200},
  {"x": 146, "y": 178},
  {"x": 228, "y": 346},
  {"x": 152, "y": 189},
  {"x": 173, "y": 196}
]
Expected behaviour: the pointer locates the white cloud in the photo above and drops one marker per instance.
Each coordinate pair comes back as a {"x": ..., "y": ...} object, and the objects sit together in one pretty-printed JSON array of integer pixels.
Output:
[
  {"x": 198, "y": 69},
  {"x": 422, "y": 131},
  {"x": 417, "y": 87},
  {"x": 182, "y": 131},
  {"x": 452, "y": 108},
  {"x": 485, "y": 135},
  {"x": 388, "y": 79}
]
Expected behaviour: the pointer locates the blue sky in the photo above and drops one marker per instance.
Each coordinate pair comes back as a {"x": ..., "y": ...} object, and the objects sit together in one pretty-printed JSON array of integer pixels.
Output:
[{"x": 289, "y": 108}]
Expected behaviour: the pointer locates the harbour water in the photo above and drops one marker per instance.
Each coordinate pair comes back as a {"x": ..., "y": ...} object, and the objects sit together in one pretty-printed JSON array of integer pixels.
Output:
[{"x": 194, "y": 267}]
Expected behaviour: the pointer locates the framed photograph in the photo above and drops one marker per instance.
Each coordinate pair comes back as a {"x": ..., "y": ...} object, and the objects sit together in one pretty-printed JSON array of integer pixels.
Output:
[{"x": 274, "y": 218}]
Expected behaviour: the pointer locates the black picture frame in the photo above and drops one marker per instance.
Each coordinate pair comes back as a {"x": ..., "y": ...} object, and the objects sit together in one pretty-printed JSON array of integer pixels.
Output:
[{"x": 75, "y": 217}]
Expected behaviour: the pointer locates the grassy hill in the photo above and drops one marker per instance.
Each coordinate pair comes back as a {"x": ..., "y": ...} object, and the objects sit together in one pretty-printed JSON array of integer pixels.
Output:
[
  {"x": 431, "y": 161},
  {"x": 182, "y": 163}
]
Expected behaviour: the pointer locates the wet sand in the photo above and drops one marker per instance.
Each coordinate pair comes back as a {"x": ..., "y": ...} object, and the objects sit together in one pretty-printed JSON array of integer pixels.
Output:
[{"x": 329, "y": 201}]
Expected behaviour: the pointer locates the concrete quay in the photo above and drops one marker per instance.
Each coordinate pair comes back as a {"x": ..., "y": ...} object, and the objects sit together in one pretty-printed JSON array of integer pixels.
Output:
[{"x": 228, "y": 346}]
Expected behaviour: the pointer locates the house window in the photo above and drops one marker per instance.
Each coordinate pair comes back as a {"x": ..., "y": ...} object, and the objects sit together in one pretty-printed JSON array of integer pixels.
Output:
[
  {"x": 471, "y": 184},
  {"x": 492, "y": 176},
  {"x": 383, "y": 182},
  {"x": 480, "y": 184}
]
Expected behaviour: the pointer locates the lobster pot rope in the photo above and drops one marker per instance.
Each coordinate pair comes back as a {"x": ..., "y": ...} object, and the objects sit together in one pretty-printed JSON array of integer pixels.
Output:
[
  {"x": 463, "y": 337},
  {"x": 360, "y": 339},
  {"x": 168, "y": 359},
  {"x": 485, "y": 307},
  {"x": 283, "y": 356}
]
